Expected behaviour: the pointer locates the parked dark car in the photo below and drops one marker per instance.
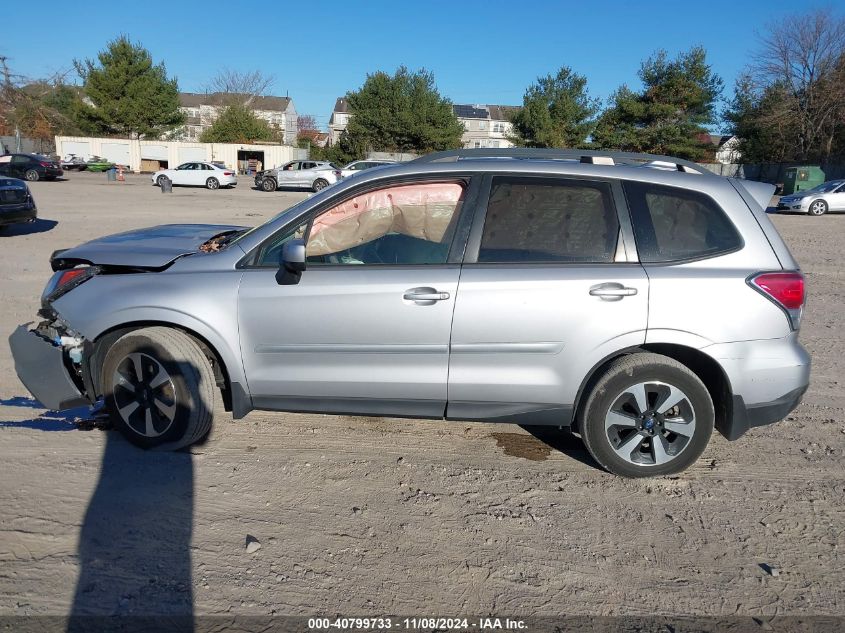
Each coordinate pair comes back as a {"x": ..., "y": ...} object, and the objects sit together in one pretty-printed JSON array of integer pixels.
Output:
[
  {"x": 30, "y": 167},
  {"x": 16, "y": 203}
]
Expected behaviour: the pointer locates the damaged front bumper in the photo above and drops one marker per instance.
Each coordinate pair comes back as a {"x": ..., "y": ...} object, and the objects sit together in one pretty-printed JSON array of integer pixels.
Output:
[{"x": 44, "y": 367}]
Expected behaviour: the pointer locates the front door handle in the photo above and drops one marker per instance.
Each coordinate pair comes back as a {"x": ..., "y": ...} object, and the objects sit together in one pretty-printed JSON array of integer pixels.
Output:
[
  {"x": 424, "y": 296},
  {"x": 612, "y": 291}
]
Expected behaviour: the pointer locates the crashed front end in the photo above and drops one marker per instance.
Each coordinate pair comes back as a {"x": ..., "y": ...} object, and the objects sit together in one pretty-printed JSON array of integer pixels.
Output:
[
  {"x": 55, "y": 362},
  {"x": 49, "y": 358},
  {"x": 48, "y": 361}
]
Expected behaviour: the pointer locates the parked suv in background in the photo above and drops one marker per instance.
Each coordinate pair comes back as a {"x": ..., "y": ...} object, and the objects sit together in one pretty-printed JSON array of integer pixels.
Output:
[
  {"x": 310, "y": 174},
  {"x": 637, "y": 300},
  {"x": 29, "y": 167},
  {"x": 828, "y": 196}
]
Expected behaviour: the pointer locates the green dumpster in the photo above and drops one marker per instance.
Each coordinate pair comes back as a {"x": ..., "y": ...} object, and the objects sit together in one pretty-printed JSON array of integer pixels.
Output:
[{"x": 797, "y": 179}]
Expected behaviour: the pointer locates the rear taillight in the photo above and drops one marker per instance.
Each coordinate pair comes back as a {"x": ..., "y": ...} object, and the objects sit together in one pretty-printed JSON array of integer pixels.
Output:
[
  {"x": 338, "y": 173},
  {"x": 44, "y": 164},
  {"x": 785, "y": 289},
  {"x": 228, "y": 173}
]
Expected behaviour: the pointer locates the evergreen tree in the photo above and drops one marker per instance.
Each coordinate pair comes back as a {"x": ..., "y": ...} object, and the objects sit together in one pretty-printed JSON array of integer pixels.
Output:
[
  {"x": 131, "y": 96},
  {"x": 238, "y": 124},
  {"x": 402, "y": 112},
  {"x": 669, "y": 114},
  {"x": 557, "y": 111}
]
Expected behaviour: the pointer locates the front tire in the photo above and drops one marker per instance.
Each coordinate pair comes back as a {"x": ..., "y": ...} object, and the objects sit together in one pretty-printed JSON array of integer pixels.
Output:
[
  {"x": 159, "y": 388},
  {"x": 320, "y": 184},
  {"x": 212, "y": 183},
  {"x": 817, "y": 208},
  {"x": 161, "y": 180},
  {"x": 268, "y": 185},
  {"x": 31, "y": 175},
  {"x": 647, "y": 415}
]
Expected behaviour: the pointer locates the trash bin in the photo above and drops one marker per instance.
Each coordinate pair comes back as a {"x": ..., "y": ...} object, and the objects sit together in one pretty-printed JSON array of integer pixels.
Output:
[
  {"x": 802, "y": 178},
  {"x": 111, "y": 174},
  {"x": 166, "y": 185}
]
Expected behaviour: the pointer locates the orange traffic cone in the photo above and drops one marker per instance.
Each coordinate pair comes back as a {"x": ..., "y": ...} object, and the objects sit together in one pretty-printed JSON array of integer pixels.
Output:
[{"x": 120, "y": 173}]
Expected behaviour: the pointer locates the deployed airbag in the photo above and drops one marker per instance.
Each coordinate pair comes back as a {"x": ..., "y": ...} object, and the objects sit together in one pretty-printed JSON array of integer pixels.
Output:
[{"x": 423, "y": 211}]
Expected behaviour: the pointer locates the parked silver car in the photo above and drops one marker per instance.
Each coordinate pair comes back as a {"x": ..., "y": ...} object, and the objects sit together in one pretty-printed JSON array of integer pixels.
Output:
[
  {"x": 357, "y": 166},
  {"x": 637, "y": 306},
  {"x": 828, "y": 196},
  {"x": 309, "y": 174}
]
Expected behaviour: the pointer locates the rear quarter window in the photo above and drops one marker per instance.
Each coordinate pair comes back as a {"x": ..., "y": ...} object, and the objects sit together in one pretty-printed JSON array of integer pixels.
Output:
[{"x": 673, "y": 224}]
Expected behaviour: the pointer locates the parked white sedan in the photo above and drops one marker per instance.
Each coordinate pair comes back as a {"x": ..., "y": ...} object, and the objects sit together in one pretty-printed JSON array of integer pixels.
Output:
[{"x": 199, "y": 174}]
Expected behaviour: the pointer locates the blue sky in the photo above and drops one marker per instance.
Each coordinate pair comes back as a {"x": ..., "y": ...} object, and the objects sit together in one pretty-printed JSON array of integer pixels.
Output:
[{"x": 480, "y": 52}]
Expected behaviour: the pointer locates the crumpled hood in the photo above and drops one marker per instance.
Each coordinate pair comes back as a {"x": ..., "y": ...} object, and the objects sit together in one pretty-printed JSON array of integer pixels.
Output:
[{"x": 154, "y": 247}]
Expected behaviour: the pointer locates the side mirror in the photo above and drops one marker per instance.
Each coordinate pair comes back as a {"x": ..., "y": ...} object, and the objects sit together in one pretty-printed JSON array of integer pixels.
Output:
[{"x": 293, "y": 263}]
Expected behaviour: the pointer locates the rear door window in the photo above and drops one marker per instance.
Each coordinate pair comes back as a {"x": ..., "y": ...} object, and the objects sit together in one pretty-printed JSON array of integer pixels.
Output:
[
  {"x": 673, "y": 224},
  {"x": 549, "y": 220}
]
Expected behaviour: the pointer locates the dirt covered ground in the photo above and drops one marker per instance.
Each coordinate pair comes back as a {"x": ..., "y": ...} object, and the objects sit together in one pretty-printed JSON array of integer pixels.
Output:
[{"x": 362, "y": 516}]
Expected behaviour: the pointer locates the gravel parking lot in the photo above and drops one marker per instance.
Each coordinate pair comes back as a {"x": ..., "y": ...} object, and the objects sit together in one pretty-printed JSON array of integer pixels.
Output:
[{"x": 359, "y": 515}]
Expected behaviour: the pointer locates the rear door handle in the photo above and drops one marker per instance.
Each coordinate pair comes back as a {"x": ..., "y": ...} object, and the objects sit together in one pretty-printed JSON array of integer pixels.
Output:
[
  {"x": 612, "y": 291},
  {"x": 424, "y": 296}
]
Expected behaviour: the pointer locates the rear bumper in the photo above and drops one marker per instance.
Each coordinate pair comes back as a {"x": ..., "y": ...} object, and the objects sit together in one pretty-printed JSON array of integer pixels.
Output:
[
  {"x": 747, "y": 417},
  {"x": 14, "y": 213},
  {"x": 767, "y": 379},
  {"x": 41, "y": 368}
]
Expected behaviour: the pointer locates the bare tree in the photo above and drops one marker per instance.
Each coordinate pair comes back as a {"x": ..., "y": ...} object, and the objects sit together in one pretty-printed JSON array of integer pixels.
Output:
[
  {"x": 240, "y": 88},
  {"x": 806, "y": 55}
]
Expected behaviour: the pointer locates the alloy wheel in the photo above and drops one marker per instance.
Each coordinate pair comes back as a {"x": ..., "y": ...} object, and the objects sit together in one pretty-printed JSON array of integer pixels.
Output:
[
  {"x": 144, "y": 395},
  {"x": 650, "y": 423},
  {"x": 818, "y": 207}
]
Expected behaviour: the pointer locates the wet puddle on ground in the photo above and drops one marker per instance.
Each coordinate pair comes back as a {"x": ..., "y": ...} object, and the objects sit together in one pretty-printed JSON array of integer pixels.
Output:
[{"x": 519, "y": 445}]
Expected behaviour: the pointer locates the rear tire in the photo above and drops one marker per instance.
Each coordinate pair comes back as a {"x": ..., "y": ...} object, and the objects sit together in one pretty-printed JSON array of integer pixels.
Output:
[
  {"x": 817, "y": 208},
  {"x": 627, "y": 427},
  {"x": 212, "y": 183},
  {"x": 31, "y": 175},
  {"x": 159, "y": 388},
  {"x": 320, "y": 184},
  {"x": 268, "y": 185}
]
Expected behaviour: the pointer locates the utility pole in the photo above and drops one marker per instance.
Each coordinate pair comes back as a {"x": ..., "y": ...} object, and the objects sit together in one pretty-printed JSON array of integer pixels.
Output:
[{"x": 7, "y": 97}]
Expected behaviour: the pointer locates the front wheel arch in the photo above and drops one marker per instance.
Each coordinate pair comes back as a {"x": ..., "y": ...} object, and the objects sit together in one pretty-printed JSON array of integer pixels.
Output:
[
  {"x": 99, "y": 347},
  {"x": 702, "y": 365}
]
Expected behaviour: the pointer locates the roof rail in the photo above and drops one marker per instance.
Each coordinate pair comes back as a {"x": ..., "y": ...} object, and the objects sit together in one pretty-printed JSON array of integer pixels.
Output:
[{"x": 581, "y": 155}]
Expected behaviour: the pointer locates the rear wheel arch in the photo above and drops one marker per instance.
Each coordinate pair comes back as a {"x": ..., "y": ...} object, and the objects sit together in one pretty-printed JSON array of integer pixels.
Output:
[{"x": 705, "y": 367}]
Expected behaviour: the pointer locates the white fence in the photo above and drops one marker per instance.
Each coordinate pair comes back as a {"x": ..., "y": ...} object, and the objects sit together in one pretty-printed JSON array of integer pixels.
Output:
[{"x": 131, "y": 152}]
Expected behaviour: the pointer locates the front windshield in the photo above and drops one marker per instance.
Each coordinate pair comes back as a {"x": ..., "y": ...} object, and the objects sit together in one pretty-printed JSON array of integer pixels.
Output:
[
  {"x": 826, "y": 187},
  {"x": 292, "y": 211}
]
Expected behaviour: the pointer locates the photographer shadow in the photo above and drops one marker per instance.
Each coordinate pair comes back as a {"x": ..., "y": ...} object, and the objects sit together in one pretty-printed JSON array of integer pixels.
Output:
[{"x": 135, "y": 543}]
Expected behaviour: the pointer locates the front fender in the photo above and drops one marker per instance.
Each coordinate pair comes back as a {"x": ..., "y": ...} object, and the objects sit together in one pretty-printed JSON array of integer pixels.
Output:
[{"x": 203, "y": 303}]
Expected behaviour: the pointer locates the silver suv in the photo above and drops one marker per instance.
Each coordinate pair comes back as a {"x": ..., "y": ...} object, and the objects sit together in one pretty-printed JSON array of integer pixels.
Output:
[
  {"x": 636, "y": 300},
  {"x": 310, "y": 174}
]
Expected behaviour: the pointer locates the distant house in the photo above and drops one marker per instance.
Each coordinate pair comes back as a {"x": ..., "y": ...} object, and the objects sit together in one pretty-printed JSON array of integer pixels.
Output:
[
  {"x": 725, "y": 147},
  {"x": 338, "y": 120},
  {"x": 485, "y": 125},
  {"x": 202, "y": 109},
  {"x": 320, "y": 139}
]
